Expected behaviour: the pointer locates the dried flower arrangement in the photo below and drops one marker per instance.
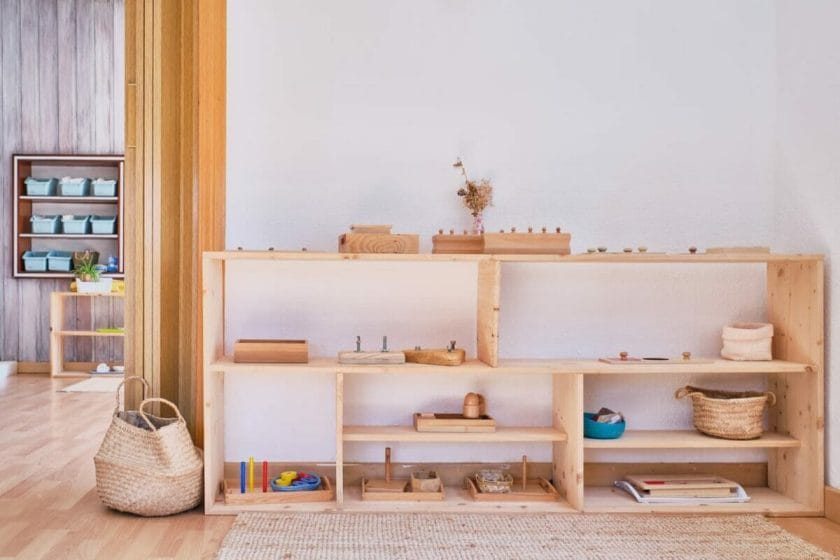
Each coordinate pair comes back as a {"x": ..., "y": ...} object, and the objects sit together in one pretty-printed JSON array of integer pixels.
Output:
[{"x": 477, "y": 195}]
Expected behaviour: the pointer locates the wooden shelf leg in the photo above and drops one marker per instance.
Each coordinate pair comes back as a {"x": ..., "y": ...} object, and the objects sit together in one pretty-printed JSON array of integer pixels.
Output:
[
  {"x": 56, "y": 341},
  {"x": 339, "y": 439},
  {"x": 568, "y": 455}
]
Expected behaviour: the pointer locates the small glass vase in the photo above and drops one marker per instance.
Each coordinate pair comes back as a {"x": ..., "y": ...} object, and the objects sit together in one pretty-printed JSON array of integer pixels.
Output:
[{"x": 478, "y": 224}]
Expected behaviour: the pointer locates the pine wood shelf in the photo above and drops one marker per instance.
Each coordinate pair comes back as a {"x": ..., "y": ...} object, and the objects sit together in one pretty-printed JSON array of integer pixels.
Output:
[
  {"x": 73, "y": 199},
  {"x": 89, "y": 333},
  {"x": 794, "y": 444},
  {"x": 686, "y": 439},
  {"x": 409, "y": 434},
  {"x": 69, "y": 235},
  {"x": 58, "y": 334}
]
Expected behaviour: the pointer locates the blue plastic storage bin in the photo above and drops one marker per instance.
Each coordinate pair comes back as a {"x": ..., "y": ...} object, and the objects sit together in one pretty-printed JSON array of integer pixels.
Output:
[
  {"x": 104, "y": 187},
  {"x": 103, "y": 225},
  {"x": 39, "y": 187},
  {"x": 75, "y": 224},
  {"x": 44, "y": 224},
  {"x": 598, "y": 430},
  {"x": 60, "y": 261},
  {"x": 35, "y": 261},
  {"x": 74, "y": 186}
]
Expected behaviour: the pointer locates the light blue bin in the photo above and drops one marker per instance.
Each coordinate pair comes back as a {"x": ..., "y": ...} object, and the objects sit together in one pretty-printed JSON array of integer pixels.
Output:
[
  {"x": 35, "y": 261},
  {"x": 39, "y": 187},
  {"x": 76, "y": 225},
  {"x": 44, "y": 224},
  {"x": 103, "y": 225},
  {"x": 60, "y": 261},
  {"x": 70, "y": 186},
  {"x": 104, "y": 187}
]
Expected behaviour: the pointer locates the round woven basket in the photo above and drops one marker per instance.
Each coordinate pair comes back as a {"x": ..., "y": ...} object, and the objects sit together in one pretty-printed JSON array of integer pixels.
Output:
[
  {"x": 728, "y": 414},
  {"x": 148, "y": 465}
]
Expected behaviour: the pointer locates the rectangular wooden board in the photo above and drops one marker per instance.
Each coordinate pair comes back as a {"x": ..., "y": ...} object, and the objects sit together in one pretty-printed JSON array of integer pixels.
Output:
[
  {"x": 234, "y": 497},
  {"x": 370, "y": 358},
  {"x": 436, "y": 356},
  {"x": 458, "y": 244},
  {"x": 655, "y": 361},
  {"x": 254, "y": 351},
  {"x": 406, "y": 496},
  {"x": 527, "y": 243},
  {"x": 448, "y": 423},
  {"x": 682, "y": 485},
  {"x": 379, "y": 243},
  {"x": 536, "y": 490}
]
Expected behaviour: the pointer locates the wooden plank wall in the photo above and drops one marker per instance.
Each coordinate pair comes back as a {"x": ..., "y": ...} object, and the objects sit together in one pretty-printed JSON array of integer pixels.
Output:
[{"x": 61, "y": 91}]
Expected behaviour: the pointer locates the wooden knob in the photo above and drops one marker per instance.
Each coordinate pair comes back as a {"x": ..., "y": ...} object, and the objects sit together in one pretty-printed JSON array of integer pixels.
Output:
[
  {"x": 303, "y": 249},
  {"x": 440, "y": 232},
  {"x": 628, "y": 249},
  {"x": 692, "y": 250},
  {"x": 557, "y": 230},
  {"x": 513, "y": 230},
  {"x": 544, "y": 229},
  {"x": 530, "y": 229},
  {"x": 451, "y": 232},
  {"x": 622, "y": 355},
  {"x": 643, "y": 249},
  {"x": 271, "y": 248},
  {"x": 686, "y": 355},
  {"x": 602, "y": 249},
  {"x": 465, "y": 232},
  {"x": 501, "y": 231},
  {"x": 591, "y": 250},
  {"x": 239, "y": 248}
]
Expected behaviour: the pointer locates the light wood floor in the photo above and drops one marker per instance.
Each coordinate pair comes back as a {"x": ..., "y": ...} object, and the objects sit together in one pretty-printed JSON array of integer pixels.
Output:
[{"x": 48, "y": 502}]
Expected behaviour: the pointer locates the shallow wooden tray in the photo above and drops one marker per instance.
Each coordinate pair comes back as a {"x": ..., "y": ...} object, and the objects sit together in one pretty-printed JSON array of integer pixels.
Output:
[
  {"x": 234, "y": 497},
  {"x": 536, "y": 490},
  {"x": 407, "y": 496},
  {"x": 445, "y": 422}
]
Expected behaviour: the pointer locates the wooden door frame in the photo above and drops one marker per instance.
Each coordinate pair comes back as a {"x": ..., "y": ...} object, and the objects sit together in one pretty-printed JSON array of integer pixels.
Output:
[{"x": 175, "y": 188}]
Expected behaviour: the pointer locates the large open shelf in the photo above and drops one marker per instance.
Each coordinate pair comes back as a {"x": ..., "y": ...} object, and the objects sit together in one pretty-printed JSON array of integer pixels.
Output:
[
  {"x": 793, "y": 444},
  {"x": 409, "y": 434},
  {"x": 686, "y": 439}
]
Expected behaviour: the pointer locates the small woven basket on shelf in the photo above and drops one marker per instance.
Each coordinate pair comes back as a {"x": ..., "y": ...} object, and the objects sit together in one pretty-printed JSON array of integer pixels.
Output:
[
  {"x": 728, "y": 414},
  {"x": 493, "y": 482},
  {"x": 148, "y": 465}
]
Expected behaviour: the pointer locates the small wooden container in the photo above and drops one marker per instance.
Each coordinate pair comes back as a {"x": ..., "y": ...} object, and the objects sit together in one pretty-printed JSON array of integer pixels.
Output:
[
  {"x": 425, "y": 481},
  {"x": 472, "y": 406},
  {"x": 252, "y": 351}
]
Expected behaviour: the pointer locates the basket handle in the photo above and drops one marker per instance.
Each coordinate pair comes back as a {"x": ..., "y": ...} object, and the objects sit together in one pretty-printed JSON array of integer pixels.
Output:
[
  {"x": 160, "y": 400},
  {"x": 121, "y": 385},
  {"x": 686, "y": 391},
  {"x": 771, "y": 398}
]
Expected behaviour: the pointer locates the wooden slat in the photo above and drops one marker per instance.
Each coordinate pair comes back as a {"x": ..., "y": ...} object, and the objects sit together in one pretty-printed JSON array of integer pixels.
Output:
[
  {"x": 409, "y": 434},
  {"x": 487, "y": 320},
  {"x": 686, "y": 439},
  {"x": 567, "y": 412}
]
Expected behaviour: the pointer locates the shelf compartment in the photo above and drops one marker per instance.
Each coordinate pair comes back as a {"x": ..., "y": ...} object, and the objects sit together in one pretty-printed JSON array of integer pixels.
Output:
[
  {"x": 608, "y": 499},
  {"x": 686, "y": 439},
  {"x": 73, "y": 200},
  {"x": 326, "y": 493},
  {"x": 409, "y": 434}
]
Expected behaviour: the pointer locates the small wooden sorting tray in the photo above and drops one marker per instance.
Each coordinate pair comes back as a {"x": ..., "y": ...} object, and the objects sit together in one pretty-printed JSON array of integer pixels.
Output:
[
  {"x": 407, "y": 496},
  {"x": 536, "y": 490},
  {"x": 234, "y": 497},
  {"x": 445, "y": 423}
]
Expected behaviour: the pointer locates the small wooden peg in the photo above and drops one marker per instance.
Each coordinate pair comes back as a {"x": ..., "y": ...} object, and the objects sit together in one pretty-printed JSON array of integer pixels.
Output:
[
  {"x": 530, "y": 229},
  {"x": 557, "y": 230},
  {"x": 544, "y": 229},
  {"x": 623, "y": 356},
  {"x": 465, "y": 232},
  {"x": 643, "y": 249},
  {"x": 692, "y": 250},
  {"x": 239, "y": 248},
  {"x": 271, "y": 248},
  {"x": 501, "y": 231},
  {"x": 451, "y": 232},
  {"x": 513, "y": 230},
  {"x": 628, "y": 249},
  {"x": 602, "y": 249},
  {"x": 592, "y": 250},
  {"x": 686, "y": 355},
  {"x": 440, "y": 232},
  {"x": 524, "y": 472}
]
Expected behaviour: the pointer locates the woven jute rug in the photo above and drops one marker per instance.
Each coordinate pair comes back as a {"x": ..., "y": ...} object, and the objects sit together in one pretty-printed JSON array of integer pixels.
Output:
[{"x": 363, "y": 536}]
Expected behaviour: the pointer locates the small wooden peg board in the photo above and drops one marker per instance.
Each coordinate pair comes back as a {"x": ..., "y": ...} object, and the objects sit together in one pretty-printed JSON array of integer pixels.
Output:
[
  {"x": 458, "y": 243},
  {"x": 656, "y": 361},
  {"x": 452, "y": 423},
  {"x": 377, "y": 239},
  {"x": 234, "y": 497},
  {"x": 405, "y": 496},
  {"x": 536, "y": 490},
  {"x": 536, "y": 243},
  {"x": 370, "y": 358},
  {"x": 436, "y": 356}
]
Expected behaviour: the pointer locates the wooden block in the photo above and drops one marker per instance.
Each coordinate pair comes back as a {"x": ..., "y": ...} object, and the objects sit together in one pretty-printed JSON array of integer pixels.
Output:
[
  {"x": 436, "y": 356},
  {"x": 379, "y": 243},
  {"x": 527, "y": 243},
  {"x": 371, "y": 358},
  {"x": 369, "y": 494},
  {"x": 234, "y": 497},
  {"x": 452, "y": 422},
  {"x": 536, "y": 490},
  {"x": 458, "y": 244},
  {"x": 425, "y": 481},
  {"x": 370, "y": 228},
  {"x": 253, "y": 351}
]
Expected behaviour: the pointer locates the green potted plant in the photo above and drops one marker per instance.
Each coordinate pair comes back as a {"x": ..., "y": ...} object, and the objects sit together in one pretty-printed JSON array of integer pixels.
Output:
[{"x": 89, "y": 276}]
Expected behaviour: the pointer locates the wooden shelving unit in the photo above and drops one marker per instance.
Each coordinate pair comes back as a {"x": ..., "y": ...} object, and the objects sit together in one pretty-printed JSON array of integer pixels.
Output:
[
  {"x": 794, "y": 443},
  {"x": 58, "y": 333},
  {"x": 46, "y": 166}
]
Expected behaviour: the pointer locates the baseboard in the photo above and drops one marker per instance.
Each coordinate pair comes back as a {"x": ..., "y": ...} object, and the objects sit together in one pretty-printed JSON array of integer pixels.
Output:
[
  {"x": 832, "y": 504},
  {"x": 7, "y": 369}
]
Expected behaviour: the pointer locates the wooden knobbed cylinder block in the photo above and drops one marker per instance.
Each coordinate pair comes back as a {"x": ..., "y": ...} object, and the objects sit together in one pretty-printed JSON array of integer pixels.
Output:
[{"x": 472, "y": 406}]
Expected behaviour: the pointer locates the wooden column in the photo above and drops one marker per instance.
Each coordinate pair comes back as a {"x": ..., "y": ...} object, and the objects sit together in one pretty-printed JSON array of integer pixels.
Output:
[{"x": 175, "y": 150}]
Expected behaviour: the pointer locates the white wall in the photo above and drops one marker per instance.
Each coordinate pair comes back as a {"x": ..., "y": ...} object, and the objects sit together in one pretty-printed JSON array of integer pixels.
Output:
[
  {"x": 808, "y": 166},
  {"x": 627, "y": 123}
]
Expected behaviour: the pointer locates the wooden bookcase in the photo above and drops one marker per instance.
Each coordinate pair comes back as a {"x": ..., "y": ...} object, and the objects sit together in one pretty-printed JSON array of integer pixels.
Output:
[
  {"x": 794, "y": 442},
  {"x": 47, "y": 166}
]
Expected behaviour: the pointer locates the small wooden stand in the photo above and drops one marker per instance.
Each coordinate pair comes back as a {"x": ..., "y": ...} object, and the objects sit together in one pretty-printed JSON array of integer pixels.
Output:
[
  {"x": 377, "y": 239},
  {"x": 452, "y": 423},
  {"x": 371, "y": 358},
  {"x": 395, "y": 490},
  {"x": 457, "y": 243},
  {"x": 234, "y": 497},
  {"x": 523, "y": 490},
  {"x": 504, "y": 243},
  {"x": 436, "y": 356}
]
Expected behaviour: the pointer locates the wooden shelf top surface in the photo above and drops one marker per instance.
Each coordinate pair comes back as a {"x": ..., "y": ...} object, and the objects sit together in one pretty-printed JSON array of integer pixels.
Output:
[
  {"x": 508, "y": 367},
  {"x": 686, "y": 439},
  {"x": 607, "y": 499},
  {"x": 71, "y": 235},
  {"x": 73, "y": 199},
  {"x": 596, "y": 258},
  {"x": 89, "y": 333},
  {"x": 409, "y": 434}
]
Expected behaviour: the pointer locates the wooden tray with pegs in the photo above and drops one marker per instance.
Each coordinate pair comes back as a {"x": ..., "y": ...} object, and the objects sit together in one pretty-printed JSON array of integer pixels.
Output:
[
  {"x": 449, "y": 356},
  {"x": 522, "y": 489},
  {"x": 232, "y": 495}
]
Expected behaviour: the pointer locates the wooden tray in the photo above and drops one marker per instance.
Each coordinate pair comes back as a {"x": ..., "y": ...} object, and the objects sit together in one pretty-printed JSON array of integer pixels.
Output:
[
  {"x": 536, "y": 490},
  {"x": 407, "y": 496},
  {"x": 444, "y": 422},
  {"x": 234, "y": 497},
  {"x": 254, "y": 351}
]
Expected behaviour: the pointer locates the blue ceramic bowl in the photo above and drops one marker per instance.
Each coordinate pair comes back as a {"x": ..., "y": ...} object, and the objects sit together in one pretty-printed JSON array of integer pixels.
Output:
[
  {"x": 598, "y": 430},
  {"x": 313, "y": 482}
]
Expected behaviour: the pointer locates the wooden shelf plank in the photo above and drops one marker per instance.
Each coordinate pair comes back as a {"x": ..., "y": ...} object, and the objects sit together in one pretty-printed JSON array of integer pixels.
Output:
[
  {"x": 409, "y": 434},
  {"x": 73, "y": 199},
  {"x": 607, "y": 499},
  {"x": 685, "y": 439},
  {"x": 509, "y": 367},
  {"x": 118, "y": 275},
  {"x": 88, "y": 333},
  {"x": 70, "y": 235},
  {"x": 639, "y": 258}
]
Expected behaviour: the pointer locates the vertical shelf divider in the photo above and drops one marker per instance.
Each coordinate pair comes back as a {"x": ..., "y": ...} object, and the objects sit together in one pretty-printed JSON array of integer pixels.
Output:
[
  {"x": 487, "y": 320},
  {"x": 213, "y": 406},
  {"x": 567, "y": 405},
  {"x": 339, "y": 438}
]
